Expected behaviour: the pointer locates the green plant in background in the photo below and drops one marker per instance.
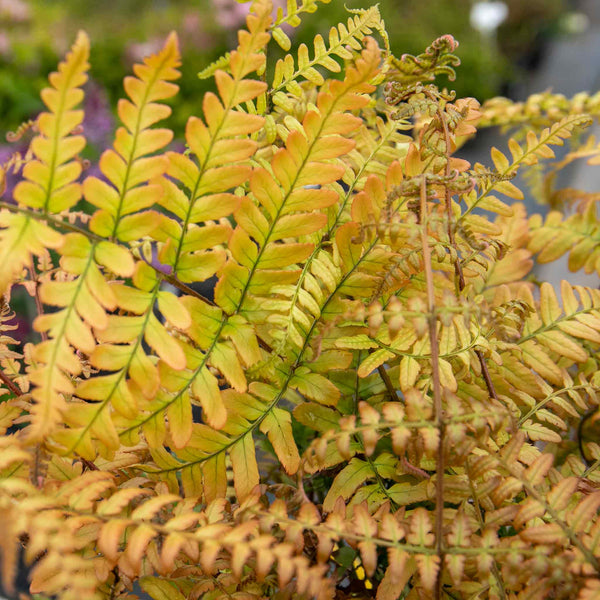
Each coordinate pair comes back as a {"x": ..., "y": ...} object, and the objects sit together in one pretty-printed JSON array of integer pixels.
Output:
[
  {"x": 404, "y": 411},
  {"x": 33, "y": 33}
]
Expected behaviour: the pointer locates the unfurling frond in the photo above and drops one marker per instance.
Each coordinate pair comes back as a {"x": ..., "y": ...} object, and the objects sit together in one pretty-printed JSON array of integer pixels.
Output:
[{"x": 438, "y": 59}]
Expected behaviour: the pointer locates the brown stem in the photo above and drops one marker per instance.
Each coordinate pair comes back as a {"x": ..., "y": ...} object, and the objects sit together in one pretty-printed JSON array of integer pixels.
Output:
[
  {"x": 486, "y": 375},
  {"x": 88, "y": 464},
  {"x": 9, "y": 384},
  {"x": 389, "y": 386},
  {"x": 460, "y": 277},
  {"x": 481, "y": 519},
  {"x": 414, "y": 470},
  {"x": 437, "y": 389},
  {"x": 37, "y": 478},
  {"x": 36, "y": 296}
]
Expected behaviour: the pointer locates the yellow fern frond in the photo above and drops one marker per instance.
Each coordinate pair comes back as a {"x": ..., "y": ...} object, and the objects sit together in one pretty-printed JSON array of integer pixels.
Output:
[
  {"x": 577, "y": 235},
  {"x": 128, "y": 167},
  {"x": 291, "y": 18},
  {"x": 50, "y": 176},
  {"x": 85, "y": 299},
  {"x": 286, "y": 194},
  {"x": 192, "y": 245},
  {"x": 536, "y": 149}
]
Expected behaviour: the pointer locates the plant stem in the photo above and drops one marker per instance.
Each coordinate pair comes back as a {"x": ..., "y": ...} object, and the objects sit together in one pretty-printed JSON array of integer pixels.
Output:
[
  {"x": 389, "y": 386},
  {"x": 486, "y": 375},
  {"x": 10, "y": 384},
  {"x": 460, "y": 278},
  {"x": 36, "y": 296},
  {"x": 437, "y": 389}
]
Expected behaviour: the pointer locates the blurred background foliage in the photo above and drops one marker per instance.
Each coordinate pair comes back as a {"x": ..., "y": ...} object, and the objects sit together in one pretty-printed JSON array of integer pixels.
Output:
[{"x": 34, "y": 34}]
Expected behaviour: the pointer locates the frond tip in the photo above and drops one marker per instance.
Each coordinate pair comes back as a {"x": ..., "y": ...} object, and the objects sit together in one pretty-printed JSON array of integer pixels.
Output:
[{"x": 50, "y": 177}]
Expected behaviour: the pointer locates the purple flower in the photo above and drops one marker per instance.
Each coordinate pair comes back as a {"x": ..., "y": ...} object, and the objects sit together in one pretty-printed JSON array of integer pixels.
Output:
[
  {"x": 98, "y": 123},
  {"x": 11, "y": 179}
]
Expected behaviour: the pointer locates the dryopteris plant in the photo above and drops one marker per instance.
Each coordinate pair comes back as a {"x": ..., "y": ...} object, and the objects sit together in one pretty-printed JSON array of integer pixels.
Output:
[{"x": 403, "y": 405}]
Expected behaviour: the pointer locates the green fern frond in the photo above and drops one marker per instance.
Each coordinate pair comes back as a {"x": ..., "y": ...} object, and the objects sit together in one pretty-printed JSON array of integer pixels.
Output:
[
  {"x": 340, "y": 38},
  {"x": 220, "y": 64},
  {"x": 290, "y": 17}
]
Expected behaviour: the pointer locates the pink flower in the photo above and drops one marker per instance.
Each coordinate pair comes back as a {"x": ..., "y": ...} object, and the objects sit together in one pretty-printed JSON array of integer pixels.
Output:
[
  {"x": 136, "y": 52},
  {"x": 194, "y": 32},
  {"x": 229, "y": 14},
  {"x": 4, "y": 44},
  {"x": 16, "y": 11}
]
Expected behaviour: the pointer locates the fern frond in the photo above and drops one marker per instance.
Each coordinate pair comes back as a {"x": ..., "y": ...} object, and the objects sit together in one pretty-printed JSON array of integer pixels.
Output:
[
  {"x": 513, "y": 260},
  {"x": 378, "y": 145},
  {"x": 192, "y": 245},
  {"x": 50, "y": 187},
  {"x": 200, "y": 463},
  {"x": 577, "y": 235},
  {"x": 50, "y": 177},
  {"x": 542, "y": 491},
  {"x": 137, "y": 529},
  {"x": 258, "y": 408},
  {"x": 536, "y": 347},
  {"x": 437, "y": 59},
  {"x": 291, "y": 18},
  {"x": 122, "y": 353},
  {"x": 222, "y": 158},
  {"x": 120, "y": 216},
  {"x": 221, "y": 63},
  {"x": 341, "y": 38},
  {"x": 538, "y": 111},
  {"x": 536, "y": 149},
  {"x": 558, "y": 333},
  {"x": 282, "y": 196},
  {"x": 128, "y": 167},
  {"x": 83, "y": 301},
  {"x": 307, "y": 294},
  {"x": 260, "y": 13}
]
